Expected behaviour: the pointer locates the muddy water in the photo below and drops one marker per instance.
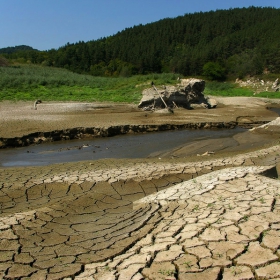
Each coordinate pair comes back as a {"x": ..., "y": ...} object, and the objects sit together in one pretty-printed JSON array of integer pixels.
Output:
[
  {"x": 125, "y": 146},
  {"x": 276, "y": 110}
]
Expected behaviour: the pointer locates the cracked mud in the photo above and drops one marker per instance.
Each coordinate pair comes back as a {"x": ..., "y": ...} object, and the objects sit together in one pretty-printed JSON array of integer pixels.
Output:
[{"x": 148, "y": 219}]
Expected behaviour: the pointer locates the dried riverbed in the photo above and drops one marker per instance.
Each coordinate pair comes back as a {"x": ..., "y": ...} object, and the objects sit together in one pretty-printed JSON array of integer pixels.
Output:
[{"x": 210, "y": 216}]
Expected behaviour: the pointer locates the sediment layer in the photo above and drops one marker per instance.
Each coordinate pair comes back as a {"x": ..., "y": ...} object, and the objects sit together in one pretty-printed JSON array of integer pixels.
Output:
[{"x": 87, "y": 132}]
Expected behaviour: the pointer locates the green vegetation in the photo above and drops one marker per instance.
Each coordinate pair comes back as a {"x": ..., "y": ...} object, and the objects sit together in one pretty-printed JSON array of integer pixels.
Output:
[
  {"x": 214, "y": 71},
  {"x": 229, "y": 89},
  {"x": 226, "y": 89},
  {"x": 48, "y": 83},
  {"x": 236, "y": 42},
  {"x": 31, "y": 82},
  {"x": 167, "y": 272}
]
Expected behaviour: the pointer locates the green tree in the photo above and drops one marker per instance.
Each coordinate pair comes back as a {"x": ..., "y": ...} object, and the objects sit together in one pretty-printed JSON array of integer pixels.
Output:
[
  {"x": 249, "y": 62},
  {"x": 214, "y": 71},
  {"x": 183, "y": 45}
]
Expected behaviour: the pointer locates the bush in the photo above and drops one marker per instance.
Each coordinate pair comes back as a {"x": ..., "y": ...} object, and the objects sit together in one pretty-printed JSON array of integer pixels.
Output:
[{"x": 214, "y": 71}]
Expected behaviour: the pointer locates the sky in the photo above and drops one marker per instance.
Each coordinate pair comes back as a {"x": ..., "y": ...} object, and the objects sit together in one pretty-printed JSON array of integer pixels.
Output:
[{"x": 50, "y": 24}]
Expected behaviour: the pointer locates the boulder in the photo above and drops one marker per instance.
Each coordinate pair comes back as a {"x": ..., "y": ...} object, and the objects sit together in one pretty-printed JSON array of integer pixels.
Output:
[
  {"x": 276, "y": 85},
  {"x": 187, "y": 94},
  {"x": 212, "y": 103}
]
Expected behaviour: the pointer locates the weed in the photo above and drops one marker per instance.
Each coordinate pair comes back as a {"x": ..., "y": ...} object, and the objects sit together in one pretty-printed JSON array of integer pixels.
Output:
[
  {"x": 219, "y": 255},
  {"x": 196, "y": 207},
  {"x": 245, "y": 217},
  {"x": 230, "y": 207},
  {"x": 167, "y": 272},
  {"x": 265, "y": 232},
  {"x": 107, "y": 268},
  {"x": 188, "y": 264}
]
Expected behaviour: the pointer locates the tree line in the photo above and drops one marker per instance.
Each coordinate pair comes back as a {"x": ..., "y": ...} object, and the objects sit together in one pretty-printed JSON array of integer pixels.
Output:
[{"x": 221, "y": 43}]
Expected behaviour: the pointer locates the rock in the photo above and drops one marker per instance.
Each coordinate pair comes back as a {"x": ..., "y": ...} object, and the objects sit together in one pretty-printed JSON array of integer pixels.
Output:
[
  {"x": 165, "y": 111},
  {"x": 259, "y": 85},
  {"x": 187, "y": 94},
  {"x": 198, "y": 106},
  {"x": 275, "y": 85},
  {"x": 193, "y": 89},
  {"x": 212, "y": 103}
]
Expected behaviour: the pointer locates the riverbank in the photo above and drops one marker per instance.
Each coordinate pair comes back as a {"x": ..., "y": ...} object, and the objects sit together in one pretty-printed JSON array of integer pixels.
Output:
[{"x": 22, "y": 125}]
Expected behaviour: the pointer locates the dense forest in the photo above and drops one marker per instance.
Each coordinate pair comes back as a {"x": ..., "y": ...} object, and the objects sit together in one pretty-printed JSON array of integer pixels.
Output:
[{"x": 217, "y": 44}]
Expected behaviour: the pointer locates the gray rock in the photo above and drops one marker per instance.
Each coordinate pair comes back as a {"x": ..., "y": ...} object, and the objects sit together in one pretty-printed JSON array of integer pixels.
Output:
[
  {"x": 276, "y": 85},
  {"x": 187, "y": 94},
  {"x": 212, "y": 103}
]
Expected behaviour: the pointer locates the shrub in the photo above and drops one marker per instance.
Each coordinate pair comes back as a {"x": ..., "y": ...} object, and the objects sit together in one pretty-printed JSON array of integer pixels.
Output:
[{"x": 214, "y": 71}]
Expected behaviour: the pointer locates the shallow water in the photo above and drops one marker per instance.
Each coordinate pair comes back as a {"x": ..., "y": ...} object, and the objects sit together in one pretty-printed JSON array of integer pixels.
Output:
[
  {"x": 276, "y": 110},
  {"x": 124, "y": 146}
]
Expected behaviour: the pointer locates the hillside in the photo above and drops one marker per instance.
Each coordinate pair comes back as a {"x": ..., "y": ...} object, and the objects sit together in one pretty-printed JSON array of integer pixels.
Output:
[
  {"x": 236, "y": 42},
  {"x": 10, "y": 50}
]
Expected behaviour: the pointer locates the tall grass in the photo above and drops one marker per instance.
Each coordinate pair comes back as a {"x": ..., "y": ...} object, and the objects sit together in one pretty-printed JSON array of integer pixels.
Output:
[
  {"x": 30, "y": 82},
  {"x": 36, "y": 82}
]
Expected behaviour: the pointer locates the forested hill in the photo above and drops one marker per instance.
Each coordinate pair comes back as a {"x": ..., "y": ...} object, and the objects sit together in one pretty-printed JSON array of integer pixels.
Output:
[
  {"x": 237, "y": 41},
  {"x": 20, "y": 48}
]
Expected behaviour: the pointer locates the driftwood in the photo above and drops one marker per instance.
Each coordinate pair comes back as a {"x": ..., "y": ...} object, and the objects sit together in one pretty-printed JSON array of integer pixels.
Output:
[
  {"x": 175, "y": 106},
  {"x": 160, "y": 96}
]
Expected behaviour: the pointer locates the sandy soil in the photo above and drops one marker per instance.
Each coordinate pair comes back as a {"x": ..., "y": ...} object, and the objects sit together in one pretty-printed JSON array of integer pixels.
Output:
[{"x": 20, "y": 118}]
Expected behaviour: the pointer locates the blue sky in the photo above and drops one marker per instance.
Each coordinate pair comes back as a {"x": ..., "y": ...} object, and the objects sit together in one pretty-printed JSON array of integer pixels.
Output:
[{"x": 47, "y": 24}]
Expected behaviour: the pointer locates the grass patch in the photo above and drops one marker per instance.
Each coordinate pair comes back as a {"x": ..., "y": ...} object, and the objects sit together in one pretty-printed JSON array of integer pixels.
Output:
[
  {"x": 54, "y": 84},
  {"x": 226, "y": 89},
  {"x": 31, "y": 82},
  {"x": 269, "y": 94},
  {"x": 229, "y": 89}
]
